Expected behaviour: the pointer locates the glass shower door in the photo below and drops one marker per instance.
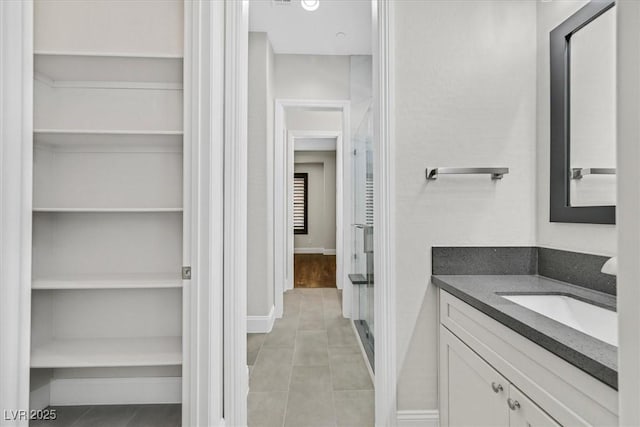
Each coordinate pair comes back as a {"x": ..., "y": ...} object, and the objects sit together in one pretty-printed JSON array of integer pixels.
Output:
[{"x": 362, "y": 267}]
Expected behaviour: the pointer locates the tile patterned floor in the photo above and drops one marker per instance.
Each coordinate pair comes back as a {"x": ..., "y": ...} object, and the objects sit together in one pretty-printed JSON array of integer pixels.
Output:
[
  {"x": 309, "y": 371},
  {"x": 114, "y": 416}
]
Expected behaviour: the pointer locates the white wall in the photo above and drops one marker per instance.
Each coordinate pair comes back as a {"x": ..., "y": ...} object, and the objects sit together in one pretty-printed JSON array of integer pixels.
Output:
[
  {"x": 321, "y": 167},
  {"x": 465, "y": 76},
  {"x": 361, "y": 76},
  {"x": 155, "y": 27},
  {"x": 312, "y": 77},
  {"x": 311, "y": 120},
  {"x": 260, "y": 297},
  {"x": 592, "y": 238}
]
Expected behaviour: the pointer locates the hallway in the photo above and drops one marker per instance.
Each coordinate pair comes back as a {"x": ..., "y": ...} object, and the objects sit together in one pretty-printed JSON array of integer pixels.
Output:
[{"x": 309, "y": 371}]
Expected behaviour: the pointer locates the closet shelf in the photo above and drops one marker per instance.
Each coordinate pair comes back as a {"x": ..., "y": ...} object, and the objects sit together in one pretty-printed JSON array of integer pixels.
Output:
[
  {"x": 105, "y": 132},
  {"x": 109, "y": 140},
  {"x": 108, "y": 352},
  {"x": 106, "y": 210},
  {"x": 73, "y": 70},
  {"x": 131, "y": 281}
]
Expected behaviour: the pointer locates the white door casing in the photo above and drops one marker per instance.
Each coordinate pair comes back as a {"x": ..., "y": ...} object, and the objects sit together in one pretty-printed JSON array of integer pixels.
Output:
[
  {"x": 283, "y": 192},
  {"x": 16, "y": 153}
]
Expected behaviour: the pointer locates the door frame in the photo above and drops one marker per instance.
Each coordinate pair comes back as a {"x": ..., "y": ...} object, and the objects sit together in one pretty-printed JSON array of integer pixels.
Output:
[
  {"x": 16, "y": 164},
  {"x": 282, "y": 178},
  {"x": 204, "y": 223},
  {"x": 383, "y": 32}
]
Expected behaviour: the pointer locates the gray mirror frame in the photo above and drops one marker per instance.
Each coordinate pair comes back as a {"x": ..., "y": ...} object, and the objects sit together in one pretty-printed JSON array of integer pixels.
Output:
[{"x": 560, "y": 48}]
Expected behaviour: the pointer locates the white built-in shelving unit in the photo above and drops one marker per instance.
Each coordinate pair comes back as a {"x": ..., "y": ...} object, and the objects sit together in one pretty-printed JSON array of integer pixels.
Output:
[{"x": 108, "y": 208}]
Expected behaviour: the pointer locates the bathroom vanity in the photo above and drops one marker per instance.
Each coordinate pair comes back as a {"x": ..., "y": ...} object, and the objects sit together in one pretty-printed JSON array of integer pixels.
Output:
[{"x": 521, "y": 349}]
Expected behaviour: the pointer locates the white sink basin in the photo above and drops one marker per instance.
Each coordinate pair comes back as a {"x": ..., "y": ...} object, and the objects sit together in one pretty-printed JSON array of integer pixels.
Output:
[{"x": 596, "y": 321}]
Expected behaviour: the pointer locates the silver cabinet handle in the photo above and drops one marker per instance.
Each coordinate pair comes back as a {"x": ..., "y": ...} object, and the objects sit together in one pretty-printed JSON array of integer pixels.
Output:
[
  {"x": 497, "y": 388},
  {"x": 513, "y": 404}
]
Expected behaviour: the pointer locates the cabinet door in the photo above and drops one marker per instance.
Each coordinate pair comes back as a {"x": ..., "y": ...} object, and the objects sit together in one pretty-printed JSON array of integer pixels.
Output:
[
  {"x": 525, "y": 413},
  {"x": 472, "y": 392}
]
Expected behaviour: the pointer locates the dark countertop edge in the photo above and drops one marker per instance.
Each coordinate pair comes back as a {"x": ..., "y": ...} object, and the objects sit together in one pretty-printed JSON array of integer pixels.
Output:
[{"x": 603, "y": 373}]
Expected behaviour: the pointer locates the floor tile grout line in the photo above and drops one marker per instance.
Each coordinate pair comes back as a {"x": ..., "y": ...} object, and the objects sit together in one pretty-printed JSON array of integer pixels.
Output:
[
  {"x": 133, "y": 415},
  {"x": 89, "y": 408}
]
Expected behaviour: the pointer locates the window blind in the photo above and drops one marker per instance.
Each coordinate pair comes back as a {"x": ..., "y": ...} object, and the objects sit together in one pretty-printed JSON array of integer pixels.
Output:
[{"x": 300, "y": 197}]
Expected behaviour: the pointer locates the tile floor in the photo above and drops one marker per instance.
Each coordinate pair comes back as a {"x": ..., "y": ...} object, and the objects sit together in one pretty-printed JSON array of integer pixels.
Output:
[
  {"x": 309, "y": 371},
  {"x": 114, "y": 416}
]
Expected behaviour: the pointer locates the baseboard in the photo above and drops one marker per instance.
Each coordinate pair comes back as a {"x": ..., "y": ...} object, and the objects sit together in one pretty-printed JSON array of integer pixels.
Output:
[
  {"x": 115, "y": 391},
  {"x": 261, "y": 324},
  {"x": 308, "y": 250},
  {"x": 329, "y": 252},
  {"x": 418, "y": 418},
  {"x": 39, "y": 398}
]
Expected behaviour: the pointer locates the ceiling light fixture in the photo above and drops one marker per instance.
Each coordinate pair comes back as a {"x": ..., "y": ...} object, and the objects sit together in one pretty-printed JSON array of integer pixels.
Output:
[
  {"x": 310, "y": 5},
  {"x": 340, "y": 35}
]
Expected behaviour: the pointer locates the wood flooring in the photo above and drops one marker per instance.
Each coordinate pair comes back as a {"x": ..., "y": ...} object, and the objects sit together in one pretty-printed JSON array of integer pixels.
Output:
[{"x": 314, "y": 271}]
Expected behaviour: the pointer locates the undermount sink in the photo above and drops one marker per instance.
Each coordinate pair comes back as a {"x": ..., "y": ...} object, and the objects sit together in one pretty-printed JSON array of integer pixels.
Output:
[{"x": 590, "y": 319}]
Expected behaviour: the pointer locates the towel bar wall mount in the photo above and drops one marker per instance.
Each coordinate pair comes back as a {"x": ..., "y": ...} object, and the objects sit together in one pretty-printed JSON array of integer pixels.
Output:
[
  {"x": 579, "y": 173},
  {"x": 496, "y": 173}
]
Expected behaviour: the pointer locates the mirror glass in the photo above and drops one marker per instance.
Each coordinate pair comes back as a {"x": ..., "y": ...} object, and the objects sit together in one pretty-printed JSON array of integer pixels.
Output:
[{"x": 592, "y": 127}]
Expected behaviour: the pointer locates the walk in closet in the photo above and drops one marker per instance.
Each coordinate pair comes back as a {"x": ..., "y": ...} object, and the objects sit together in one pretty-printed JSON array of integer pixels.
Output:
[{"x": 108, "y": 239}]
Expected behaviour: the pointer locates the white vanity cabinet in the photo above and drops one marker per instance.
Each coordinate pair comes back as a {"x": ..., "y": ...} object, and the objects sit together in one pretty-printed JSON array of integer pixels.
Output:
[
  {"x": 525, "y": 413},
  {"x": 476, "y": 394},
  {"x": 493, "y": 376}
]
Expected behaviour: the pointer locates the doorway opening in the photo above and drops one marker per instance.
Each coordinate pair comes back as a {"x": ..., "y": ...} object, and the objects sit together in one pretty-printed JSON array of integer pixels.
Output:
[
  {"x": 310, "y": 73},
  {"x": 314, "y": 205}
]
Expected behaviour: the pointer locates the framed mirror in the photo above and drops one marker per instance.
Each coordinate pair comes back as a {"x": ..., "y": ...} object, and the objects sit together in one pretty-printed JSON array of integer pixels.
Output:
[{"x": 583, "y": 120}]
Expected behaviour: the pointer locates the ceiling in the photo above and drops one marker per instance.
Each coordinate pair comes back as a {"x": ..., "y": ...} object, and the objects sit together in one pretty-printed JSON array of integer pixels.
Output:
[{"x": 292, "y": 29}]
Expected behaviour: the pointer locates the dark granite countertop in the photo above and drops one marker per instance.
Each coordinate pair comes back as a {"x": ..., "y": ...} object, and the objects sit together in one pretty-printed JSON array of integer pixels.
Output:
[{"x": 591, "y": 355}]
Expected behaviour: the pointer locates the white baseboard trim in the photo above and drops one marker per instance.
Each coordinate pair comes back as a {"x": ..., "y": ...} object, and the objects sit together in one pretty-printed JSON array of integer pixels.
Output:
[
  {"x": 322, "y": 251},
  {"x": 115, "y": 391},
  {"x": 418, "y": 418},
  {"x": 39, "y": 398},
  {"x": 261, "y": 324},
  {"x": 308, "y": 250}
]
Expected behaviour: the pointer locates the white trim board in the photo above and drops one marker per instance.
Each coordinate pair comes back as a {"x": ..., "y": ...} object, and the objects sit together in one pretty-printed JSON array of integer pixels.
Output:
[
  {"x": 384, "y": 217},
  {"x": 202, "y": 340},
  {"x": 236, "y": 378},
  {"x": 418, "y": 418},
  {"x": 322, "y": 251},
  {"x": 16, "y": 127},
  {"x": 115, "y": 391},
  {"x": 261, "y": 324}
]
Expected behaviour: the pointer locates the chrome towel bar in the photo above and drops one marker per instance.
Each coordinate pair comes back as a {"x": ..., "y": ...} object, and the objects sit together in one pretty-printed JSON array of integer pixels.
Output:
[
  {"x": 578, "y": 173},
  {"x": 496, "y": 173}
]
